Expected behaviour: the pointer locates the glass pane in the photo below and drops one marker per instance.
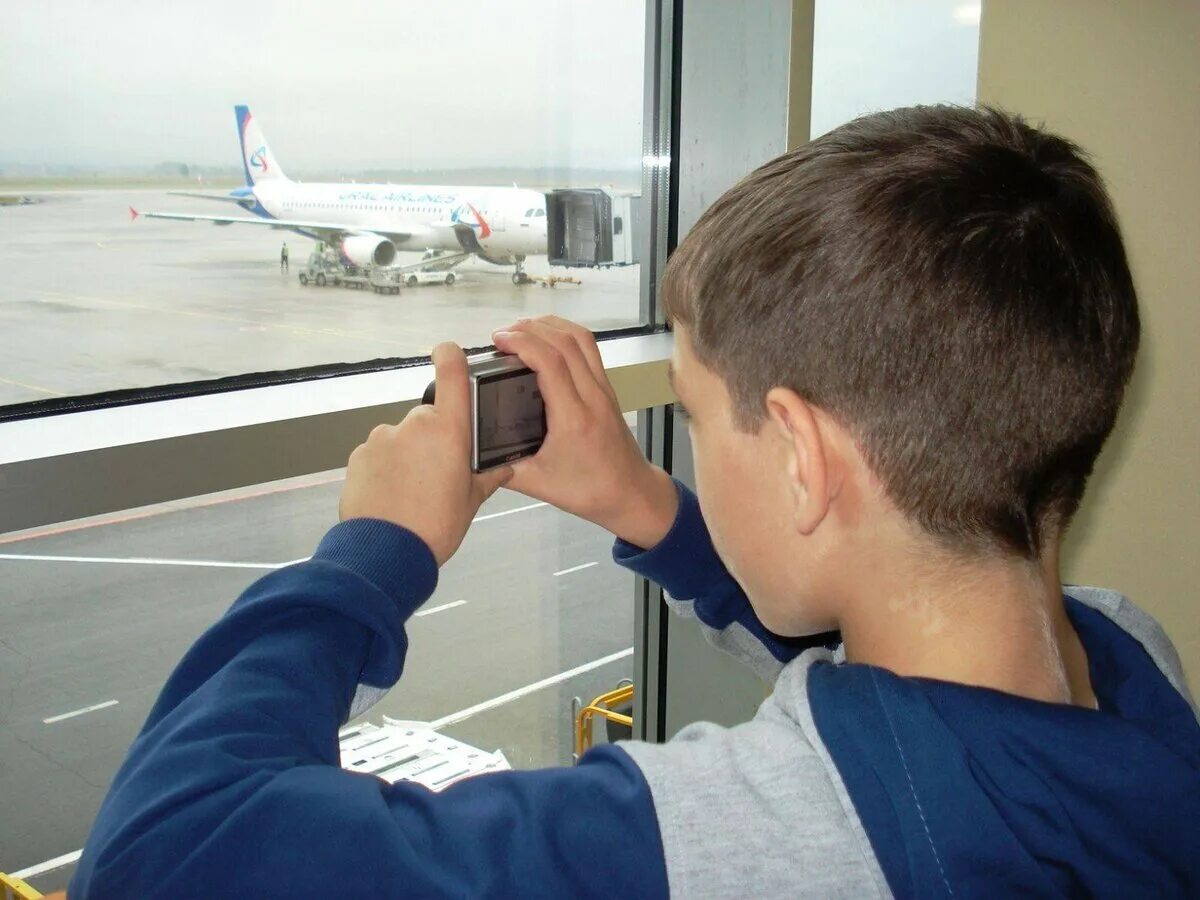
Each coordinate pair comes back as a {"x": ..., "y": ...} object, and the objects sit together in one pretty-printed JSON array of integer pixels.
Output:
[
  {"x": 530, "y": 613},
  {"x": 411, "y": 149},
  {"x": 870, "y": 55}
]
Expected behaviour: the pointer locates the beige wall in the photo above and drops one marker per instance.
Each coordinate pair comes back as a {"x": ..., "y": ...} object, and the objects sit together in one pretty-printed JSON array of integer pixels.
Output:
[{"x": 1122, "y": 78}]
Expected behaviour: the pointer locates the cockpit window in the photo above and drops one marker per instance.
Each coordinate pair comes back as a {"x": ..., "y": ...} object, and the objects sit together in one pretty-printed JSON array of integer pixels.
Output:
[{"x": 540, "y": 212}]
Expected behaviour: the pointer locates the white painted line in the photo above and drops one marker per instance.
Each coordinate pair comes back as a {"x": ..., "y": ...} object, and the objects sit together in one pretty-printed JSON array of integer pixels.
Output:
[
  {"x": 48, "y": 866},
  {"x": 142, "y": 561},
  {"x": 79, "y": 712},
  {"x": 209, "y": 563},
  {"x": 508, "y": 512},
  {"x": 437, "y": 609},
  {"x": 455, "y": 718},
  {"x": 576, "y": 569}
]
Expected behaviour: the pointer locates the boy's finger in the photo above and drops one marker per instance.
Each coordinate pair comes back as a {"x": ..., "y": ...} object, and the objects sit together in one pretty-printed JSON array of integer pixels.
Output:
[
  {"x": 524, "y": 475},
  {"x": 581, "y": 372},
  {"x": 586, "y": 341},
  {"x": 554, "y": 375},
  {"x": 492, "y": 480},
  {"x": 453, "y": 396}
]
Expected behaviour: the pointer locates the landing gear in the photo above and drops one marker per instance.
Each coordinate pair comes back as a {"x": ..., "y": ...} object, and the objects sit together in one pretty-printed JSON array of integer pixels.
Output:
[{"x": 519, "y": 276}]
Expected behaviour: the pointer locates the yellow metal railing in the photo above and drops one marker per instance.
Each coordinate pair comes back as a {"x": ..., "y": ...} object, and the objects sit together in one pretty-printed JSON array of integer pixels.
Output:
[
  {"x": 602, "y": 706},
  {"x": 15, "y": 889}
]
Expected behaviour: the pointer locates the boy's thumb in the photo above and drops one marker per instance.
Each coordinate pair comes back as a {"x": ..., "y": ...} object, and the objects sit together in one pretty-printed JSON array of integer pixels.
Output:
[{"x": 494, "y": 479}]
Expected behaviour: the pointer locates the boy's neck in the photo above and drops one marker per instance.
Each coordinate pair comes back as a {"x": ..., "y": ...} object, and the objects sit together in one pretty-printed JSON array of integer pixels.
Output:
[{"x": 998, "y": 623}]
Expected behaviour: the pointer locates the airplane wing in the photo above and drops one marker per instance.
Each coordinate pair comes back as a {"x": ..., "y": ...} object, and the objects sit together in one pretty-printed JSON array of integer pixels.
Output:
[
  {"x": 227, "y": 198},
  {"x": 330, "y": 231}
]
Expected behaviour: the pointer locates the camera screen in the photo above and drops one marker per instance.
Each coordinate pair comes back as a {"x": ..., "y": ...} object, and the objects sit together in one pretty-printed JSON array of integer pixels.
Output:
[{"x": 512, "y": 418}]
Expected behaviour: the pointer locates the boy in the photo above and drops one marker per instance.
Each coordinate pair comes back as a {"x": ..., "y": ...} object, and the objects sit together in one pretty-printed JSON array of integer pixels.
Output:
[{"x": 902, "y": 347}]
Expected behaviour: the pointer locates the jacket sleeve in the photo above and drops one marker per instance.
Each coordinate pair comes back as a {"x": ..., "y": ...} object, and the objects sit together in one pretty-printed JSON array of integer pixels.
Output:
[
  {"x": 686, "y": 565},
  {"x": 233, "y": 786}
]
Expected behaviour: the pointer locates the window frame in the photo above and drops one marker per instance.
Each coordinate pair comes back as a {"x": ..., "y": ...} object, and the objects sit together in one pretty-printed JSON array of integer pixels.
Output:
[{"x": 60, "y": 468}]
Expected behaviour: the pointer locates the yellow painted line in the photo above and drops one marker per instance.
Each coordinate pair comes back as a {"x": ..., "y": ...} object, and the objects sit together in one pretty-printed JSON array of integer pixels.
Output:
[
  {"x": 165, "y": 508},
  {"x": 32, "y": 387}
]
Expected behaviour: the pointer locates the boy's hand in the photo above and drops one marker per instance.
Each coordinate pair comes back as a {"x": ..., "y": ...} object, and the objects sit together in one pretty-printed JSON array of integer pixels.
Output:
[
  {"x": 418, "y": 474},
  {"x": 590, "y": 464}
]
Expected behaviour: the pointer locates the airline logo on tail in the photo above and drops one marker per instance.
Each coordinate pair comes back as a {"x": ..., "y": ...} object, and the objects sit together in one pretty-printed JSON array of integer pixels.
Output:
[{"x": 257, "y": 161}]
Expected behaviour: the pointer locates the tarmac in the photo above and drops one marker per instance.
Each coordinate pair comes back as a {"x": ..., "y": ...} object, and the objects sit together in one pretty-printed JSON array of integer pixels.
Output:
[{"x": 93, "y": 300}]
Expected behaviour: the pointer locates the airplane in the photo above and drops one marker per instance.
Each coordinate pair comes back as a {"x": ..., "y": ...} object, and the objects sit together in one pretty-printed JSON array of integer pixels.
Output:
[{"x": 369, "y": 223}]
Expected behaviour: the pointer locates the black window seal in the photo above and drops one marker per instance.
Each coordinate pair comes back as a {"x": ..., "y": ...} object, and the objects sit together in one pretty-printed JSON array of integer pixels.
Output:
[{"x": 36, "y": 409}]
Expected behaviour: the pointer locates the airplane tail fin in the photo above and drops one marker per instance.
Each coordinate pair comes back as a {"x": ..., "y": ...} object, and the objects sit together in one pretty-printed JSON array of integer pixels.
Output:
[{"x": 257, "y": 160}]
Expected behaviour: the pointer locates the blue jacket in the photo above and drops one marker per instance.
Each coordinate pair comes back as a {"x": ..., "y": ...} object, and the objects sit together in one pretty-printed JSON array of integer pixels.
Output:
[{"x": 233, "y": 785}]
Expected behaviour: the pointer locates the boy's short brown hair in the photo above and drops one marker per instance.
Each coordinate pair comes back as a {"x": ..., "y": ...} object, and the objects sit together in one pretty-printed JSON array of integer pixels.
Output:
[{"x": 951, "y": 285}]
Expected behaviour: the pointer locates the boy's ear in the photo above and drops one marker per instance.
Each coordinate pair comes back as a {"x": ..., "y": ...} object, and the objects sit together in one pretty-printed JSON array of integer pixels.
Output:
[{"x": 807, "y": 454}]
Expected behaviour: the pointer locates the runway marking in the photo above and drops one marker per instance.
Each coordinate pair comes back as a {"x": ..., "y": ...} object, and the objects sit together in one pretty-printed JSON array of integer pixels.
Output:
[
  {"x": 438, "y": 609},
  {"x": 141, "y": 561},
  {"x": 79, "y": 712},
  {"x": 32, "y": 387},
  {"x": 160, "y": 510},
  {"x": 508, "y": 512},
  {"x": 48, "y": 866},
  {"x": 576, "y": 569},
  {"x": 462, "y": 714}
]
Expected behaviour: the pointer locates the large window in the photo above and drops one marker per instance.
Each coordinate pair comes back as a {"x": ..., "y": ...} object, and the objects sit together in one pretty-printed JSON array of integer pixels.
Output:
[
  {"x": 165, "y": 375},
  {"x": 407, "y": 150}
]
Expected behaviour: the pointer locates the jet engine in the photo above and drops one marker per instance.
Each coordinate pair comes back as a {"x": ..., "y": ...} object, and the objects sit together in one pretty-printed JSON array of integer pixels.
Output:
[{"x": 369, "y": 250}]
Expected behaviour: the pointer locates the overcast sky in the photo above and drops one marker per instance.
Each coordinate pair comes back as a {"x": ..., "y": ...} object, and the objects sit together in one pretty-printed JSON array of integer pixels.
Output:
[
  {"x": 347, "y": 83},
  {"x": 412, "y": 83}
]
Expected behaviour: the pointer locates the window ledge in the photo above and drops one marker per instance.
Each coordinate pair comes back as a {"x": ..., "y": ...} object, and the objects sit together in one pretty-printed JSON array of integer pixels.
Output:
[{"x": 70, "y": 466}]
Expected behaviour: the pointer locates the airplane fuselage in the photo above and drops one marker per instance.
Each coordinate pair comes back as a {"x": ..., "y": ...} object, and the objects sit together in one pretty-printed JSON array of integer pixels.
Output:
[
  {"x": 368, "y": 223},
  {"x": 505, "y": 223}
]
